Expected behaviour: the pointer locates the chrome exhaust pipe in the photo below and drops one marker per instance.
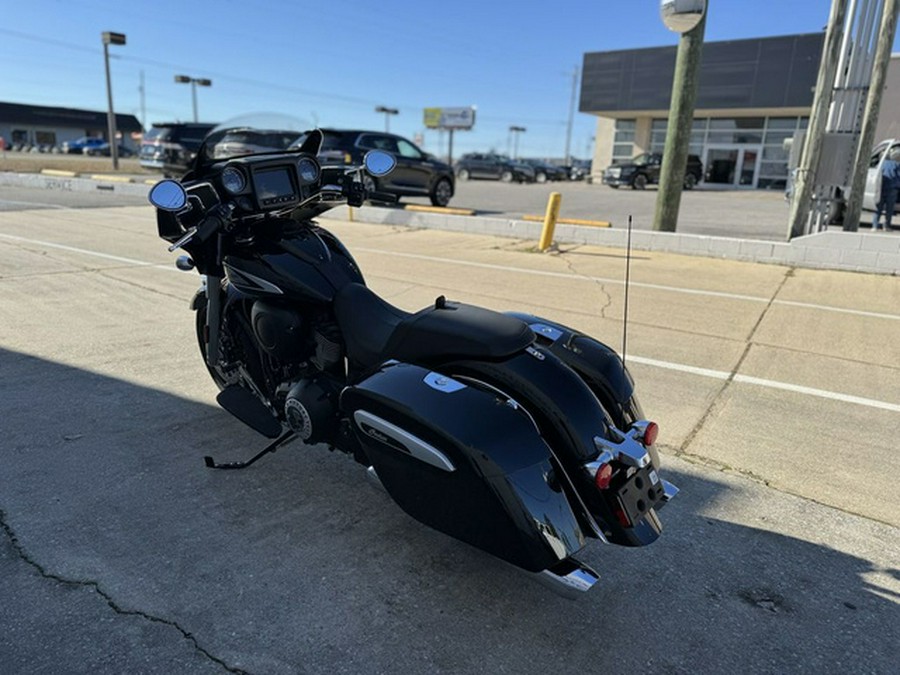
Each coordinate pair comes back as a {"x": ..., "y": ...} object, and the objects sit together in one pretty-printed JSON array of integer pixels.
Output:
[
  {"x": 669, "y": 491},
  {"x": 569, "y": 578}
]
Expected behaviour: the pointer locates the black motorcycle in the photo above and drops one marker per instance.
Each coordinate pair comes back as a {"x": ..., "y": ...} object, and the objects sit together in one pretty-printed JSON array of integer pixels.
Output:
[{"x": 510, "y": 432}]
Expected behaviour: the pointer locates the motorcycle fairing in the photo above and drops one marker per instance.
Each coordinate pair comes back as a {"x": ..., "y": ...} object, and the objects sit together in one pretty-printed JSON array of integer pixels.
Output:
[{"x": 466, "y": 462}]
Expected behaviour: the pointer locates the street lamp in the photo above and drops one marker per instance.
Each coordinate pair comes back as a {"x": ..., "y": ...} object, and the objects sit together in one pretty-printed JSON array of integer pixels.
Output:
[
  {"x": 110, "y": 38},
  {"x": 387, "y": 116},
  {"x": 687, "y": 17},
  {"x": 516, "y": 131},
  {"x": 194, "y": 82}
]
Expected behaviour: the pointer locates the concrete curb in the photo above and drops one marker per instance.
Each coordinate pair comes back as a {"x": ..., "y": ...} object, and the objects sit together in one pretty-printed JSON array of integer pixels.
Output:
[
  {"x": 850, "y": 251},
  {"x": 67, "y": 181}
]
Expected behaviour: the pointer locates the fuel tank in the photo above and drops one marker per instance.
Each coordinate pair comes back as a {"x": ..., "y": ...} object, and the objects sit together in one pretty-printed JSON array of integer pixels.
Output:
[
  {"x": 463, "y": 461},
  {"x": 308, "y": 264}
]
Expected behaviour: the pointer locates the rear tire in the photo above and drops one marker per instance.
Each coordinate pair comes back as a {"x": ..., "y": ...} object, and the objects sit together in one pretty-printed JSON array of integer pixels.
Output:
[
  {"x": 463, "y": 174},
  {"x": 506, "y": 176},
  {"x": 690, "y": 180}
]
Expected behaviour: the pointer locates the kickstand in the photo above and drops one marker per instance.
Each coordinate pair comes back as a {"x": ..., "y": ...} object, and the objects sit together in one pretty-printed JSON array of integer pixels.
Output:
[{"x": 272, "y": 447}]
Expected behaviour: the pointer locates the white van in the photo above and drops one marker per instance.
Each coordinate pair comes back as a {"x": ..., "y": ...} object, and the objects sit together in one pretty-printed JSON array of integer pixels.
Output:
[{"x": 872, "y": 193}]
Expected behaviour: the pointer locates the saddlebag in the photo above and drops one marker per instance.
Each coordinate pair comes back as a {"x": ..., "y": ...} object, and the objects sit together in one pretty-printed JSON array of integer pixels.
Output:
[{"x": 463, "y": 460}]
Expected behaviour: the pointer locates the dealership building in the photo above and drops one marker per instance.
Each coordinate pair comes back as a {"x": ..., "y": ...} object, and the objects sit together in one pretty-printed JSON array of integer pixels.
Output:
[
  {"x": 48, "y": 127},
  {"x": 752, "y": 96}
]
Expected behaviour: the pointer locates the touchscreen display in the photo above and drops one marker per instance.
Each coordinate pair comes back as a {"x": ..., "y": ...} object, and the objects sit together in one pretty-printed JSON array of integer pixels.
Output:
[{"x": 273, "y": 184}]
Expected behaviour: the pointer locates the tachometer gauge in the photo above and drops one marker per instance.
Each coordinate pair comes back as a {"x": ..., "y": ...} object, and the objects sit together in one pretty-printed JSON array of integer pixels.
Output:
[
  {"x": 308, "y": 170},
  {"x": 233, "y": 180}
]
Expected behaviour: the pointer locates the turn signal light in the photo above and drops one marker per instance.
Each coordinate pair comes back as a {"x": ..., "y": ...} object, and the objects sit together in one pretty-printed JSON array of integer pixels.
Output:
[
  {"x": 650, "y": 433},
  {"x": 603, "y": 476}
]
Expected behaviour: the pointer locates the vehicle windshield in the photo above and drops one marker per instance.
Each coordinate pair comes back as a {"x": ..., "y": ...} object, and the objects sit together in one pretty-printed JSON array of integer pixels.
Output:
[
  {"x": 252, "y": 134},
  {"x": 642, "y": 159}
]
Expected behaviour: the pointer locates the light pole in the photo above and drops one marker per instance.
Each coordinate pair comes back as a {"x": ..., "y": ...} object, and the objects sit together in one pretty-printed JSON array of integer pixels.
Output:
[
  {"x": 387, "y": 116},
  {"x": 687, "y": 17},
  {"x": 194, "y": 82},
  {"x": 110, "y": 38},
  {"x": 516, "y": 131}
]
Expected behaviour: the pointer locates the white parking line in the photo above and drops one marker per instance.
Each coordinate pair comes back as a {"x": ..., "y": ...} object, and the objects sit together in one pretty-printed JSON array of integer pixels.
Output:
[
  {"x": 771, "y": 384},
  {"x": 693, "y": 370},
  {"x": 637, "y": 284}
]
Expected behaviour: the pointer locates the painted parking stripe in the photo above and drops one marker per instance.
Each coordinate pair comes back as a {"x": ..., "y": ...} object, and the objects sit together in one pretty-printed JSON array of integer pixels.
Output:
[
  {"x": 770, "y": 384},
  {"x": 634, "y": 284},
  {"x": 703, "y": 372}
]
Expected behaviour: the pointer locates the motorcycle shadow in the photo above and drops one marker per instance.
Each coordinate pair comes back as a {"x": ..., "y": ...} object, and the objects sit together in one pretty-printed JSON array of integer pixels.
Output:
[{"x": 298, "y": 564}]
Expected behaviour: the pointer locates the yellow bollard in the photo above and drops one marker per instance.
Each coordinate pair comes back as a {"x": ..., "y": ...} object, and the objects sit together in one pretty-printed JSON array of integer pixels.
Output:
[{"x": 550, "y": 221}]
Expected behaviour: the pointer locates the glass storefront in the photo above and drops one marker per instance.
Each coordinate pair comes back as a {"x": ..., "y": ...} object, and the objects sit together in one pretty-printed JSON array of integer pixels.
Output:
[{"x": 740, "y": 151}]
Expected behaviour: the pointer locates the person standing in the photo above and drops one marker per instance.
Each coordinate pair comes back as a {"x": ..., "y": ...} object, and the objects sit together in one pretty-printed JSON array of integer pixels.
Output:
[{"x": 890, "y": 186}]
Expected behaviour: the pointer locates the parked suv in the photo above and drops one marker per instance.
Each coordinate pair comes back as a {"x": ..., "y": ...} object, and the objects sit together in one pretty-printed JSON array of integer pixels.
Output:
[
  {"x": 643, "y": 170},
  {"x": 491, "y": 166},
  {"x": 171, "y": 147},
  {"x": 417, "y": 174}
]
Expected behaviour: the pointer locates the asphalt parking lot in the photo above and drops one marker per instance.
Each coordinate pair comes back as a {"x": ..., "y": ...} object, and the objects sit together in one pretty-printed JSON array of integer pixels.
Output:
[{"x": 776, "y": 390}]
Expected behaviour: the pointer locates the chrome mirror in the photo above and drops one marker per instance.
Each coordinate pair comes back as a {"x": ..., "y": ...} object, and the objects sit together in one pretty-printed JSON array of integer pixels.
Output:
[
  {"x": 379, "y": 162},
  {"x": 168, "y": 195},
  {"x": 681, "y": 16}
]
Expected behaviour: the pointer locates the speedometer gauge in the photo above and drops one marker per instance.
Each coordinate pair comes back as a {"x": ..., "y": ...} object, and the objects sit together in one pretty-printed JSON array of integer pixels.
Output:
[
  {"x": 233, "y": 180},
  {"x": 308, "y": 170}
]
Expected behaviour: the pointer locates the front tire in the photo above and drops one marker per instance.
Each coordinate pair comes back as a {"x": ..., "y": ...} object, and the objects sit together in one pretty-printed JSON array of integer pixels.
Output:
[
  {"x": 690, "y": 180},
  {"x": 506, "y": 176},
  {"x": 463, "y": 174},
  {"x": 441, "y": 193},
  {"x": 200, "y": 325},
  {"x": 639, "y": 182}
]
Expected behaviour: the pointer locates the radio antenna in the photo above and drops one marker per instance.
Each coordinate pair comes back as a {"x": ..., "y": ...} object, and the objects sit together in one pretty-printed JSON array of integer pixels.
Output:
[{"x": 627, "y": 285}]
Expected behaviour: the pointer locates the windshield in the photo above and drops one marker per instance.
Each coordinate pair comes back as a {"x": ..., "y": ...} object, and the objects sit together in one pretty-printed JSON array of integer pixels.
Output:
[
  {"x": 641, "y": 159},
  {"x": 251, "y": 134}
]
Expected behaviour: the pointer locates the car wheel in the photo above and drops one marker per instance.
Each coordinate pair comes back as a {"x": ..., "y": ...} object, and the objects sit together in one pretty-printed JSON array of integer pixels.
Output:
[
  {"x": 540, "y": 177},
  {"x": 463, "y": 174},
  {"x": 690, "y": 180},
  {"x": 614, "y": 187},
  {"x": 639, "y": 182},
  {"x": 506, "y": 176},
  {"x": 441, "y": 193}
]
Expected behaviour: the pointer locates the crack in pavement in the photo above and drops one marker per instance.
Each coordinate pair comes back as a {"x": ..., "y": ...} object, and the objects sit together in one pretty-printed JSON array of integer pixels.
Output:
[
  {"x": 95, "y": 586},
  {"x": 711, "y": 409},
  {"x": 597, "y": 282}
]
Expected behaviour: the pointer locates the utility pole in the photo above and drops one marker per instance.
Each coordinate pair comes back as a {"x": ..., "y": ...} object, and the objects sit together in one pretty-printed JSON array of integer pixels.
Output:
[
  {"x": 689, "y": 18},
  {"x": 110, "y": 38},
  {"x": 516, "y": 130},
  {"x": 387, "y": 116},
  {"x": 886, "y": 32},
  {"x": 812, "y": 146},
  {"x": 571, "y": 116}
]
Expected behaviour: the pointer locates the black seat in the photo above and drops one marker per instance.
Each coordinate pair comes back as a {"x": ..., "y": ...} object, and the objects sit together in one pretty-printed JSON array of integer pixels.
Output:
[{"x": 375, "y": 331}]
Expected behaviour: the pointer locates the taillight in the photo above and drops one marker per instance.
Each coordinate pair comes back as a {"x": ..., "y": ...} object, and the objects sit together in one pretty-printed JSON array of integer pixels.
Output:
[
  {"x": 603, "y": 476},
  {"x": 650, "y": 434}
]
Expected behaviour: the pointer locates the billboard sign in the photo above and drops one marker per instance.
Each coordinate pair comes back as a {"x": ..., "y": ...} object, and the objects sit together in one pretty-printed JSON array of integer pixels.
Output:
[{"x": 450, "y": 118}]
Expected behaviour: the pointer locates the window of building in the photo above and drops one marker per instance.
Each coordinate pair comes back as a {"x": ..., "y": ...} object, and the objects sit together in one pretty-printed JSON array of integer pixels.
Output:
[{"x": 623, "y": 141}]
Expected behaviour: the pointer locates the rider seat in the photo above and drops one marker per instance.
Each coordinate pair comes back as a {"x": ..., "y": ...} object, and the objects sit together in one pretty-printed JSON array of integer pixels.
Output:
[{"x": 376, "y": 331}]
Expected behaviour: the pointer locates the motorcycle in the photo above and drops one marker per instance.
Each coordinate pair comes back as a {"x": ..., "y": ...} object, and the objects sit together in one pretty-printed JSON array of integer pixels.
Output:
[{"x": 508, "y": 431}]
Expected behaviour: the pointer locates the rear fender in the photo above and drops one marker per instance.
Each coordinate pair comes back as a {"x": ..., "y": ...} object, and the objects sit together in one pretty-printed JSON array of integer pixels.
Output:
[
  {"x": 597, "y": 364},
  {"x": 461, "y": 460}
]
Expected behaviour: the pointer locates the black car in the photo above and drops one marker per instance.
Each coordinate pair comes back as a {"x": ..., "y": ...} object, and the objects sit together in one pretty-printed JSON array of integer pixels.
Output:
[
  {"x": 103, "y": 151},
  {"x": 171, "y": 146},
  {"x": 417, "y": 173},
  {"x": 494, "y": 167},
  {"x": 544, "y": 171},
  {"x": 643, "y": 170}
]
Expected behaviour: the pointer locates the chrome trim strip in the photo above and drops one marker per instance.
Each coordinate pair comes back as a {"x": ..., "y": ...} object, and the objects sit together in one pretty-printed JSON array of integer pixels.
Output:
[
  {"x": 628, "y": 451},
  {"x": 251, "y": 280},
  {"x": 443, "y": 383},
  {"x": 415, "y": 446},
  {"x": 374, "y": 480}
]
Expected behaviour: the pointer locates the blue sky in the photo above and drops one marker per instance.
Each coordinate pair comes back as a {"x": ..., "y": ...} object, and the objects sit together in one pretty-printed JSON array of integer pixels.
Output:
[{"x": 331, "y": 62}]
